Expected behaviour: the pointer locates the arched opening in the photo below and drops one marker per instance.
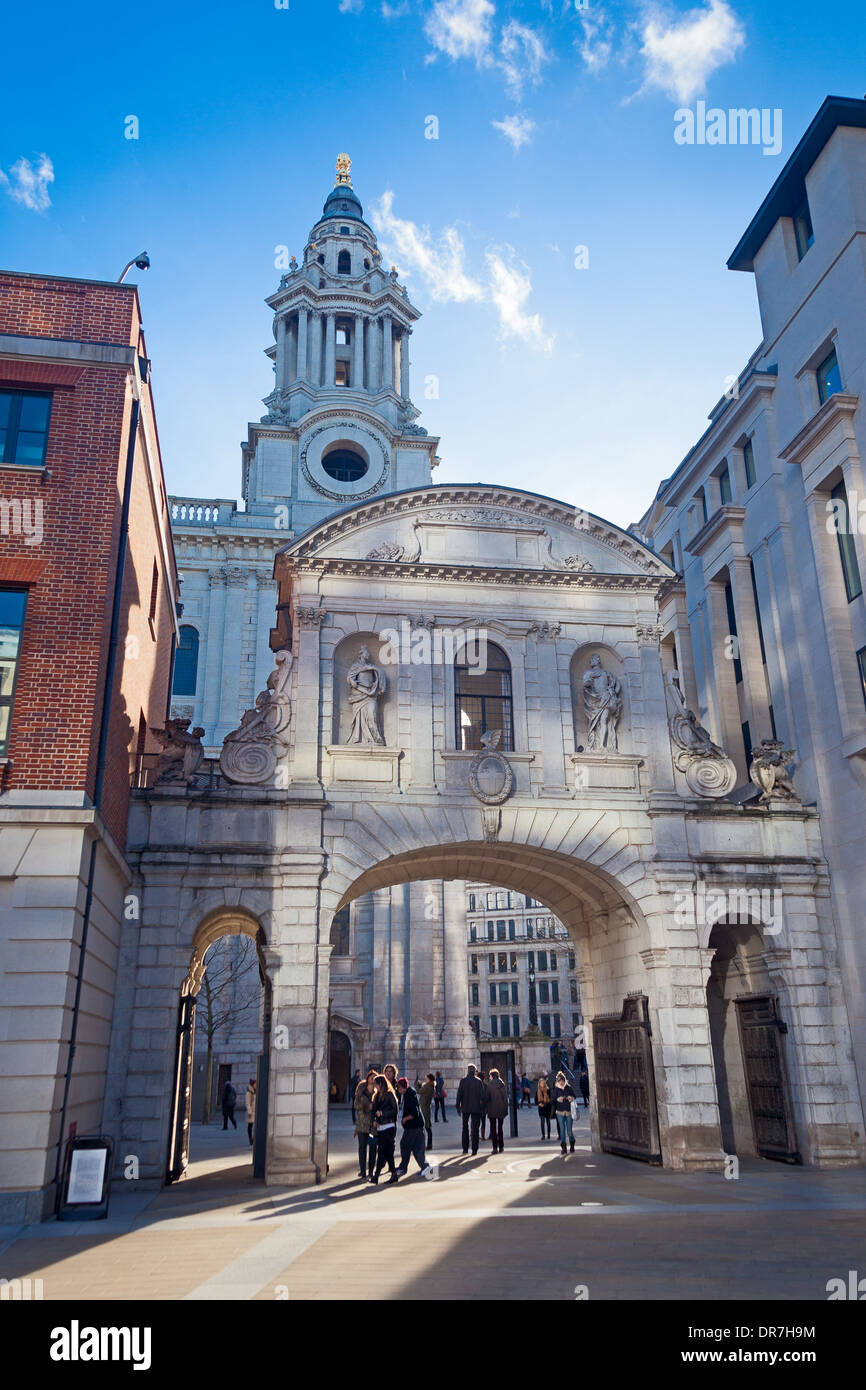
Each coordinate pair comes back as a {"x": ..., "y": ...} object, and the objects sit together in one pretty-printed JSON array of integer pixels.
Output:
[
  {"x": 339, "y": 1067},
  {"x": 186, "y": 662},
  {"x": 344, "y": 263},
  {"x": 483, "y": 700},
  {"x": 219, "y": 1100},
  {"x": 345, "y": 463}
]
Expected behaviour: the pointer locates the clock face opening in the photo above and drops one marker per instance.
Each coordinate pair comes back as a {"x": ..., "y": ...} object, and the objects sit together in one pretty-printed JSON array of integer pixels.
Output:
[{"x": 345, "y": 465}]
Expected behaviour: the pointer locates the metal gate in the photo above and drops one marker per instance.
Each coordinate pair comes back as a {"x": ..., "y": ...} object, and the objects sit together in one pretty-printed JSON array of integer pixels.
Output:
[
  {"x": 178, "y": 1134},
  {"x": 761, "y": 1032},
  {"x": 625, "y": 1082}
]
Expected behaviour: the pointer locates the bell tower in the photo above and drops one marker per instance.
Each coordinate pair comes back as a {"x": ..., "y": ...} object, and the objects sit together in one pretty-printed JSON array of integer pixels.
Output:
[{"x": 341, "y": 426}]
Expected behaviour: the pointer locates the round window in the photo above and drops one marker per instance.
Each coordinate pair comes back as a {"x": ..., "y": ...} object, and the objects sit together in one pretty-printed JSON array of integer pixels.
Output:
[{"x": 345, "y": 465}]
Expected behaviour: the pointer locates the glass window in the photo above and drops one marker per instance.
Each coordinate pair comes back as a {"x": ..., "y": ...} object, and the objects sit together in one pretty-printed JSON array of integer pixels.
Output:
[
  {"x": 474, "y": 962},
  {"x": 489, "y": 931},
  {"x": 500, "y": 931},
  {"x": 545, "y": 1025},
  {"x": 186, "y": 662},
  {"x": 845, "y": 538},
  {"x": 552, "y": 960},
  {"x": 13, "y": 602},
  {"x": 513, "y": 962},
  {"x": 554, "y": 992},
  {"x": 803, "y": 228},
  {"x": 340, "y": 933},
  {"x": 829, "y": 377},
  {"x": 344, "y": 263},
  {"x": 542, "y": 960},
  {"x": 725, "y": 485},
  {"x": 512, "y": 932},
  {"x": 861, "y": 662},
  {"x": 572, "y": 989},
  {"x": 24, "y": 419},
  {"x": 471, "y": 902},
  {"x": 504, "y": 994},
  {"x": 474, "y": 989},
  {"x": 557, "y": 1027},
  {"x": 505, "y": 1026},
  {"x": 473, "y": 934},
  {"x": 493, "y": 1025},
  {"x": 515, "y": 997},
  {"x": 344, "y": 465},
  {"x": 483, "y": 702},
  {"x": 572, "y": 961},
  {"x": 732, "y": 631},
  {"x": 749, "y": 463},
  {"x": 502, "y": 963},
  {"x": 492, "y": 992},
  {"x": 491, "y": 964},
  {"x": 543, "y": 992}
]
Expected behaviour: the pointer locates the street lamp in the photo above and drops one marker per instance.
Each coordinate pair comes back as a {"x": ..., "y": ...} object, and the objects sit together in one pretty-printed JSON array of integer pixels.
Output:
[
  {"x": 533, "y": 1011},
  {"x": 142, "y": 260}
]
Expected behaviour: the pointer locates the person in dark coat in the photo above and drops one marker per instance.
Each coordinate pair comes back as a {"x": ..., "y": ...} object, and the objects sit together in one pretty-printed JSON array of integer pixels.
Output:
[
  {"x": 353, "y": 1087},
  {"x": 439, "y": 1095},
  {"x": 470, "y": 1105},
  {"x": 544, "y": 1101},
  {"x": 425, "y": 1100},
  {"x": 412, "y": 1139},
  {"x": 229, "y": 1098},
  {"x": 384, "y": 1127},
  {"x": 583, "y": 1083},
  {"x": 496, "y": 1097}
]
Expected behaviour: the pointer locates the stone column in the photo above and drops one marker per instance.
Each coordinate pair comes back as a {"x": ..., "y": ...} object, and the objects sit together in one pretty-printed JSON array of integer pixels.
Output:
[
  {"x": 661, "y": 767},
  {"x": 380, "y": 1004},
  {"x": 404, "y": 364},
  {"x": 280, "y": 374},
  {"x": 237, "y": 579},
  {"x": 550, "y": 709},
  {"x": 457, "y": 1042},
  {"x": 266, "y": 618},
  {"x": 330, "y": 348},
  {"x": 421, "y": 712},
  {"x": 358, "y": 369},
  {"x": 302, "y": 344},
  {"x": 723, "y": 678},
  {"x": 305, "y": 757},
  {"x": 398, "y": 976},
  {"x": 387, "y": 353},
  {"x": 316, "y": 368},
  {"x": 425, "y": 918},
  {"x": 751, "y": 663},
  {"x": 213, "y": 664}
]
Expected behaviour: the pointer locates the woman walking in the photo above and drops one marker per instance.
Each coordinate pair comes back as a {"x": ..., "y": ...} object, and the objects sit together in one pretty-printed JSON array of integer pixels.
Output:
[
  {"x": 425, "y": 1100},
  {"x": 583, "y": 1083},
  {"x": 496, "y": 1098},
  {"x": 563, "y": 1095},
  {"x": 384, "y": 1127},
  {"x": 544, "y": 1100},
  {"x": 363, "y": 1103}
]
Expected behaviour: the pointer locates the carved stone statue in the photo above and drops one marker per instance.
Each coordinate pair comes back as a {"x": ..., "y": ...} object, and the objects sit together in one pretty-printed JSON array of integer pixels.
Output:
[
  {"x": 181, "y": 753},
  {"x": 366, "y": 683},
  {"x": 769, "y": 774},
  {"x": 251, "y": 752},
  {"x": 602, "y": 703},
  {"x": 708, "y": 769}
]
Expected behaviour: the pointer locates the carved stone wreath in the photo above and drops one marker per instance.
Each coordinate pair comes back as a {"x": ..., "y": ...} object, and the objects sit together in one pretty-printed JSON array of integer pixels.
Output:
[
  {"x": 342, "y": 496},
  {"x": 483, "y": 770}
]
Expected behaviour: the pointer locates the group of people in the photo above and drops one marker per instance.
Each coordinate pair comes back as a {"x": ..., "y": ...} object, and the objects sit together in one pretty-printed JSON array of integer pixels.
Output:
[
  {"x": 229, "y": 1100},
  {"x": 381, "y": 1101}
]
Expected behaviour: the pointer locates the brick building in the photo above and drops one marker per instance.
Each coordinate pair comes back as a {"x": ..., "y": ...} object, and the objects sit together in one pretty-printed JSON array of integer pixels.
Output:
[{"x": 88, "y": 618}]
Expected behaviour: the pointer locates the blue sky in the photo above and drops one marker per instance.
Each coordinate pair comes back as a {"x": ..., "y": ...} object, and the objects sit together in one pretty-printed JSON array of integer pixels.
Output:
[{"x": 555, "y": 130}]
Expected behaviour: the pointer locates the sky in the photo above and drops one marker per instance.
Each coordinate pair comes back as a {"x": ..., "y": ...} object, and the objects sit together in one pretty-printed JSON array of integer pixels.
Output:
[{"x": 517, "y": 161}]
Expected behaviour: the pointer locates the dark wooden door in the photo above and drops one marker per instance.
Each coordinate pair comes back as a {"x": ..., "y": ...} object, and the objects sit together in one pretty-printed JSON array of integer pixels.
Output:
[
  {"x": 762, "y": 1033},
  {"x": 625, "y": 1082},
  {"x": 178, "y": 1134}
]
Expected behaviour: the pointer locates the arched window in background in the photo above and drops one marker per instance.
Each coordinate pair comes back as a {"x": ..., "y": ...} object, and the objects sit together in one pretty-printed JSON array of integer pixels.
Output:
[
  {"x": 483, "y": 702},
  {"x": 340, "y": 932},
  {"x": 186, "y": 662},
  {"x": 344, "y": 263}
]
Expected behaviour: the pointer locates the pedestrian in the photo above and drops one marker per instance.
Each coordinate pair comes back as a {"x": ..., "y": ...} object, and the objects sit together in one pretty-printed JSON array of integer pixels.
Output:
[
  {"x": 251, "y": 1108},
  {"x": 525, "y": 1091},
  {"x": 496, "y": 1095},
  {"x": 483, "y": 1125},
  {"x": 583, "y": 1083},
  {"x": 363, "y": 1107},
  {"x": 563, "y": 1095},
  {"x": 439, "y": 1095},
  {"x": 470, "y": 1105},
  {"x": 425, "y": 1100},
  {"x": 384, "y": 1127},
  {"x": 412, "y": 1138},
  {"x": 544, "y": 1101},
  {"x": 230, "y": 1096},
  {"x": 390, "y": 1074},
  {"x": 353, "y": 1087}
]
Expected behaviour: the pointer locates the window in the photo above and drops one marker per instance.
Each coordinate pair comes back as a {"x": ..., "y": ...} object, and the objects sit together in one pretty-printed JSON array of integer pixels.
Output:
[
  {"x": 576, "y": 1021},
  {"x": 552, "y": 959},
  {"x": 542, "y": 960},
  {"x": 725, "y": 484},
  {"x": 344, "y": 465},
  {"x": 758, "y": 613},
  {"x": 829, "y": 377},
  {"x": 474, "y": 995},
  {"x": 502, "y": 963},
  {"x": 732, "y": 632},
  {"x": 13, "y": 602},
  {"x": 528, "y": 902},
  {"x": 473, "y": 962},
  {"x": 154, "y": 590},
  {"x": 493, "y": 1026},
  {"x": 505, "y": 1026},
  {"x": 541, "y": 929},
  {"x": 492, "y": 992},
  {"x": 342, "y": 334},
  {"x": 186, "y": 662},
  {"x": 513, "y": 962},
  {"x": 554, "y": 992},
  {"x": 500, "y": 931},
  {"x": 529, "y": 926},
  {"x": 473, "y": 932},
  {"x": 530, "y": 960},
  {"x": 543, "y": 992},
  {"x": 572, "y": 990},
  {"x": 340, "y": 933},
  {"x": 344, "y": 263},
  {"x": 483, "y": 702},
  {"x": 476, "y": 1024},
  {"x": 515, "y": 997},
  {"x": 489, "y": 931},
  {"x": 545, "y": 1025},
  {"x": 341, "y": 375},
  {"x": 845, "y": 538},
  {"x": 512, "y": 931},
  {"x": 572, "y": 961},
  {"x": 491, "y": 965},
  {"x": 491, "y": 901},
  {"x": 504, "y": 994},
  {"x": 749, "y": 463},
  {"x": 557, "y": 1027},
  {"x": 471, "y": 902},
  {"x": 803, "y": 232},
  {"x": 861, "y": 662},
  {"x": 24, "y": 418}
]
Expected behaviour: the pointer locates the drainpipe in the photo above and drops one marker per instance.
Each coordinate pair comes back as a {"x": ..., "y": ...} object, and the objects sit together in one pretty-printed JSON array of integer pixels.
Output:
[{"x": 114, "y": 641}]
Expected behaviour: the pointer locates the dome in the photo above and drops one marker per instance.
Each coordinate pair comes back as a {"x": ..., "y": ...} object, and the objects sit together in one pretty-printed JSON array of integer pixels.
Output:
[{"x": 343, "y": 201}]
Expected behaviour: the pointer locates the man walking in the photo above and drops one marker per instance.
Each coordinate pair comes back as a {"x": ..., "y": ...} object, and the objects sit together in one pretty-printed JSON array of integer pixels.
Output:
[
  {"x": 470, "y": 1105},
  {"x": 439, "y": 1094},
  {"x": 412, "y": 1139},
  {"x": 425, "y": 1100},
  {"x": 229, "y": 1099},
  {"x": 497, "y": 1108},
  {"x": 251, "y": 1108}
]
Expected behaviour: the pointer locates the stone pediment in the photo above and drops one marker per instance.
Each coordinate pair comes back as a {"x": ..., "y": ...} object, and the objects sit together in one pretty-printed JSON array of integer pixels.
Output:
[{"x": 479, "y": 528}]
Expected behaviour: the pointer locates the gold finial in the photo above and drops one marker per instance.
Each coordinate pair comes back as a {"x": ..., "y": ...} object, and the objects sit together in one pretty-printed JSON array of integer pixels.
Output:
[{"x": 344, "y": 171}]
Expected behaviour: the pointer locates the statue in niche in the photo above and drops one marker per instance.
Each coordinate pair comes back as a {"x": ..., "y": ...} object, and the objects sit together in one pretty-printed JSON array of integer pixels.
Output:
[
  {"x": 366, "y": 683},
  {"x": 602, "y": 703}
]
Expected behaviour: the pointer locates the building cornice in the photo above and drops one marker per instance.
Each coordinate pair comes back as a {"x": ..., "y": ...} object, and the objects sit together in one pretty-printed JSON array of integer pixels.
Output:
[
  {"x": 418, "y": 570},
  {"x": 727, "y": 518},
  {"x": 838, "y": 410}
]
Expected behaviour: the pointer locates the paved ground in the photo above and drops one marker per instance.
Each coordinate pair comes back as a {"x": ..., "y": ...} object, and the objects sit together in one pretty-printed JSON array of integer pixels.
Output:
[{"x": 527, "y": 1224}]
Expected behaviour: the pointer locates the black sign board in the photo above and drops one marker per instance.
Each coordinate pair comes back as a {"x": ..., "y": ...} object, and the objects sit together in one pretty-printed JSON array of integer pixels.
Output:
[{"x": 85, "y": 1188}]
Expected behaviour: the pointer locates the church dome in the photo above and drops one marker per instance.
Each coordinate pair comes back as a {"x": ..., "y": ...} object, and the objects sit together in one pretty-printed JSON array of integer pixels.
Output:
[{"x": 343, "y": 201}]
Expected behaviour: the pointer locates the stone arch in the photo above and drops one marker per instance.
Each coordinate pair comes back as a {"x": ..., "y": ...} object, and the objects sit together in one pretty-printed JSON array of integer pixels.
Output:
[
  {"x": 220, "y": 922},
  {"x": 614, "y": 662}
]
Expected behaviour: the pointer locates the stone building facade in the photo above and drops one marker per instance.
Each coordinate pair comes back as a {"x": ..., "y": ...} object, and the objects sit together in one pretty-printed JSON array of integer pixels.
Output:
[{"x": 764, "y": 521}]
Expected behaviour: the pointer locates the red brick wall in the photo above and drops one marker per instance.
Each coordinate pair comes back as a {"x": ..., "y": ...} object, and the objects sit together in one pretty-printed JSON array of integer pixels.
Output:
[{"x": 58, "y": 700}]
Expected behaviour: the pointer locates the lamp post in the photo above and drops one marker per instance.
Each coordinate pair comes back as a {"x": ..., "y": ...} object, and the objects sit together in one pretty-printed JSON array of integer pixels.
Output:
[{"x": 533, "y": 1011}]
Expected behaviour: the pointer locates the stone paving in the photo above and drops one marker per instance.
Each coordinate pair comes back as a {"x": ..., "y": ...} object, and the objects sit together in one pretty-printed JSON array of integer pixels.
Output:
[{"x": 527, "y": 1224}]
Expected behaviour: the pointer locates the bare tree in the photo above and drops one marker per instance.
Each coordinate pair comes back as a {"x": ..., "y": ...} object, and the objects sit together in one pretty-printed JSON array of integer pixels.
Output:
[{"x": 230, "y": 990}]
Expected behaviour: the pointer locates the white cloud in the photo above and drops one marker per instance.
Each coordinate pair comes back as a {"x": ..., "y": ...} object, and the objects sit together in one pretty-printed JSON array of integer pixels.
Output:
[
  {"x": 441, "y": 262},
  {"x": 516, "y": 129},
  {"x": 523, "y": 55},
  {"x": 596, "y": 45},
  {"x": 510, "y": 288},
  {"x": 350, "y": 6},
  {"x": 27, "y": 185},
  {"x": 462, "y": 29},
  {"x": 680, "y": 54},
  {"x": 394, "y": 11}
]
